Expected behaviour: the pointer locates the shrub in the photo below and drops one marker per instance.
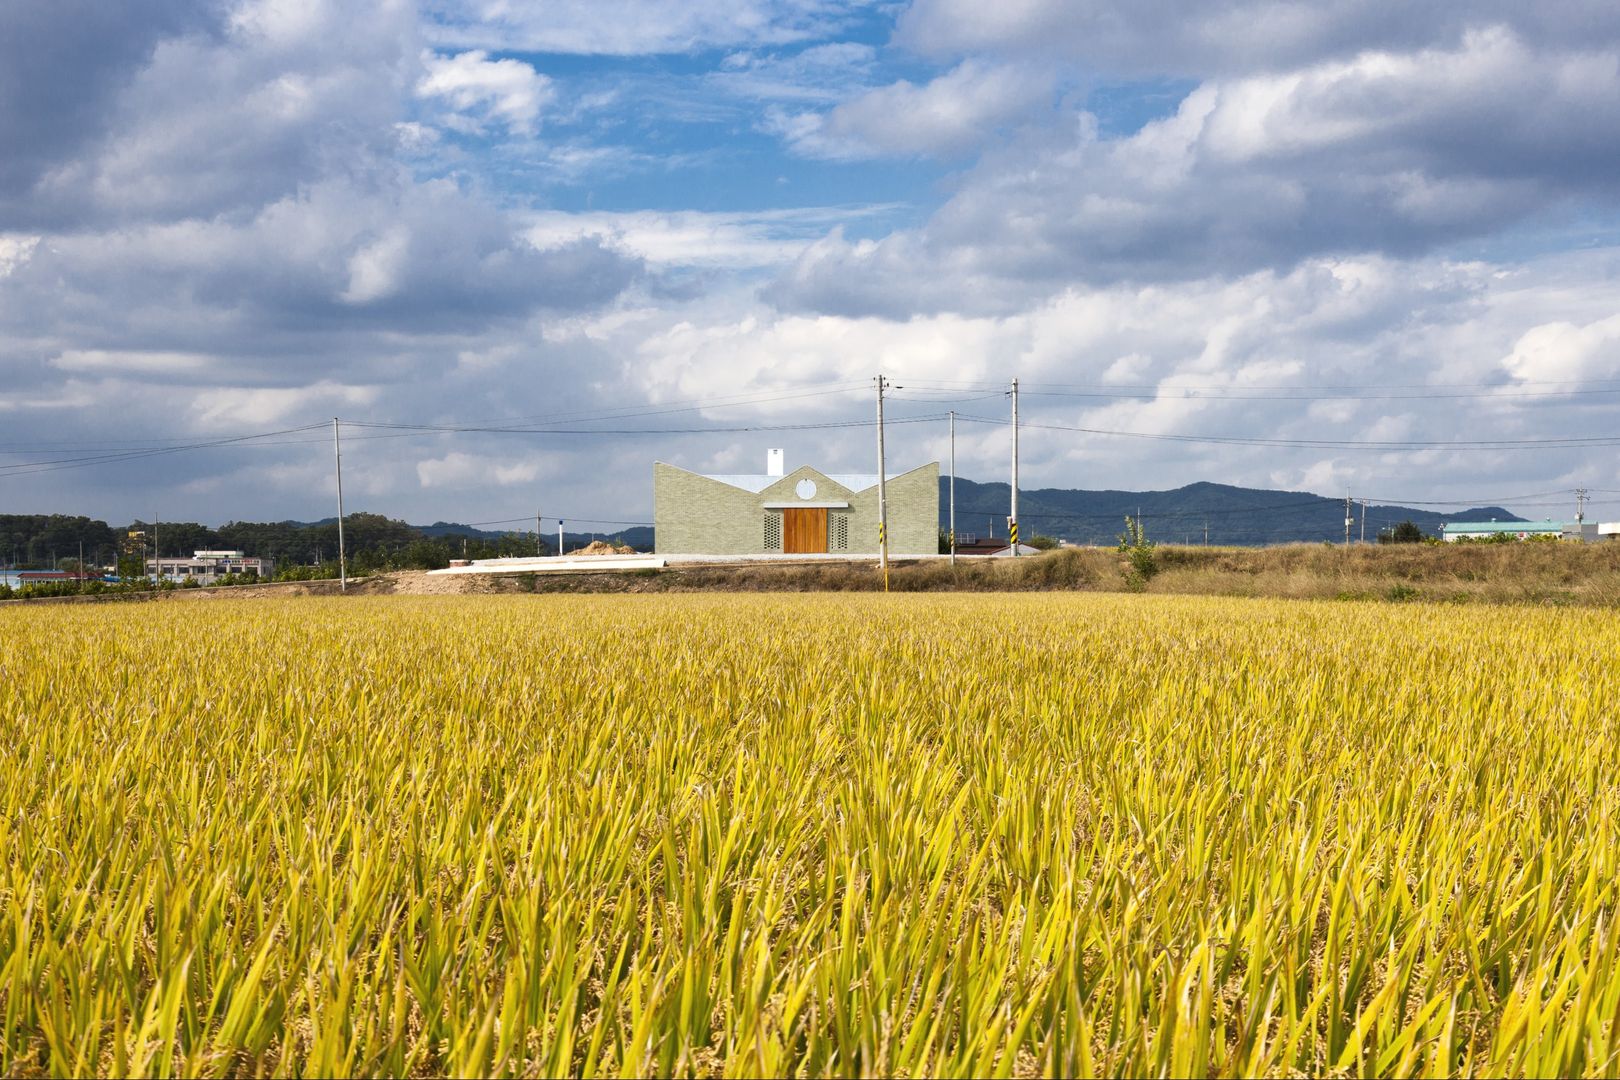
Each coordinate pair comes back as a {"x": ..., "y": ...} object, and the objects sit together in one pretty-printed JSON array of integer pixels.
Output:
[{"x": 1141, "y": 563}]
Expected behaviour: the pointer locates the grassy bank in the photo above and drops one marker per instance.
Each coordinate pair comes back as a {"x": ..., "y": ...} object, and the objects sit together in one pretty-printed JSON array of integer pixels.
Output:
[{"x": 1545, "y": 574}]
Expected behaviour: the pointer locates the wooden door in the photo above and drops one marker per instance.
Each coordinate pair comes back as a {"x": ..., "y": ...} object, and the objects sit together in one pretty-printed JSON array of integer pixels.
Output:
[{"x": 804, "y": 529}]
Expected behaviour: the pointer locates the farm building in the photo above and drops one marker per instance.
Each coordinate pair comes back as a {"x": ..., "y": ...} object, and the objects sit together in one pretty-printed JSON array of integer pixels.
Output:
[
  {"x": 802, "y": 512},
  {"x": 208, "y": 565},
  {"x": 1519, "y": 530}
]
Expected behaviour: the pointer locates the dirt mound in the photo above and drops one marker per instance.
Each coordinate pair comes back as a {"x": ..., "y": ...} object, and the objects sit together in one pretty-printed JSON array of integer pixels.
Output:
[{"x": 603, "y": 547}]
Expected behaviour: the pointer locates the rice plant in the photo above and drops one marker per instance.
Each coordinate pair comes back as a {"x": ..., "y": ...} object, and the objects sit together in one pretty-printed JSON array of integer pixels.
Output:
[{"x": 837, "y": 835}]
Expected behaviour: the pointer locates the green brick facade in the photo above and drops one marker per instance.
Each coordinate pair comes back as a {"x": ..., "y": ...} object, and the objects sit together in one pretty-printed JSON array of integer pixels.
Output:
[{"x": 697, "y": 515}]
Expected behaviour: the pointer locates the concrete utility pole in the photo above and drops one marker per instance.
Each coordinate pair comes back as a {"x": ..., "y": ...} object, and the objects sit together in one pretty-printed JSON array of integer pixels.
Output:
[
  {"x": 559, "y": 537},
  {"x": 883, "y": 490},
  {"x": 1349, "y": 520},
  {"x": 1363, "y": 521},
  {"x": 953, "y": 488},
  {"x": 1206, "y": 532},
  {"x": 337, "y": 460},
  {"x": 538, "y": 548},
  {"x": 157, "y": 552},
  {"x": 1012, "y": 522},
  {"x": 1580, "y": 507}
]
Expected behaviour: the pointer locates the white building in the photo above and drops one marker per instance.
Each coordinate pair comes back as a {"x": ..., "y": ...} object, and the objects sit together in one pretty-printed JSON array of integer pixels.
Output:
[{"x": 206, "y": 566}]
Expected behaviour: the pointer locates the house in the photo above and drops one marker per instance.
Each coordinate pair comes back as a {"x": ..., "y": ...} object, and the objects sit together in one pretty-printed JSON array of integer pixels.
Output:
[{"x": 803, "y": 512}]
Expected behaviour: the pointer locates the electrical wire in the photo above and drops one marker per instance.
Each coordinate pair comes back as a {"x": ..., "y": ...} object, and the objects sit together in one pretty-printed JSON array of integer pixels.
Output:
[{"x": 1566, "y": 442}]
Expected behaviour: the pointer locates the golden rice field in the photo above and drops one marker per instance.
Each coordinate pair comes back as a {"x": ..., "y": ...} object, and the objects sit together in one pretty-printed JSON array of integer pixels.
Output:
[{"x": 834, "y": 835}]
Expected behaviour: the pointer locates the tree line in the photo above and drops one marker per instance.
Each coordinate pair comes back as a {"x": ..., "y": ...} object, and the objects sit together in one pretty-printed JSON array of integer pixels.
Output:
[{"x": 372, "y": 542}]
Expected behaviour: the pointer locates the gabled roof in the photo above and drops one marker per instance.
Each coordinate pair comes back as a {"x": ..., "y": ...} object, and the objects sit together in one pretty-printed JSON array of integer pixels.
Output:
[{"x": 758, "y": 482}]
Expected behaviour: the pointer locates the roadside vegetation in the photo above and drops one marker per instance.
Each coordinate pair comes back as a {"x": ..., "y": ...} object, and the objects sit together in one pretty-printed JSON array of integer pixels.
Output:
[{"x": 1544, "y": 574}]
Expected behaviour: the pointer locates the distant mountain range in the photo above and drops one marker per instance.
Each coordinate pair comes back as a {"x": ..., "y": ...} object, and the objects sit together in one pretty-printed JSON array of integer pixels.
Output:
[{"x": 1233, "y": 515}]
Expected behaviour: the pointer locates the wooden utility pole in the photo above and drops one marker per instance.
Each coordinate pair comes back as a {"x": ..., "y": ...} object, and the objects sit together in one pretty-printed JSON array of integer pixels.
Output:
[
  {"x": 952, "y": 536},
  {"x": 1012, "y": 522}
]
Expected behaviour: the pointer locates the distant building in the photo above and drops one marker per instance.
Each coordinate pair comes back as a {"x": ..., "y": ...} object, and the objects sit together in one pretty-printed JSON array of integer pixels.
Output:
[
  {"x": 208, "y": 566},
  {"x": 1518, "y": 530},
  {"x": 802, "y": 512},
  {"x": 990, "y": 545}
]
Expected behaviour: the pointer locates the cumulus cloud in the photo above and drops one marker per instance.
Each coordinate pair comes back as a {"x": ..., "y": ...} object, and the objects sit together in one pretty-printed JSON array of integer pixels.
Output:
[
  {"x": 458, "y": 469},
  {"x": 1380, "y": 153},
  {"x": 63, "y": 66},
  {"x": 1226, "y": 37},
  {"x": 482, "y": 91},
  {"x": 1567, "y": 352},
  {"x": 257, "y": 214},
  {"x": 946, "y": 117}
]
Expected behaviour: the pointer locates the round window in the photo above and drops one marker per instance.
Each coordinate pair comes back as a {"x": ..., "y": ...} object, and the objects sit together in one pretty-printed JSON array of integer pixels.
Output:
[{"x": 806, "y": 488}]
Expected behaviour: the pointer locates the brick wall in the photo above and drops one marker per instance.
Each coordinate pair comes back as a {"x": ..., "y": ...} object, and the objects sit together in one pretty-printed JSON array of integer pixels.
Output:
[{"x": 694, "y": 515}]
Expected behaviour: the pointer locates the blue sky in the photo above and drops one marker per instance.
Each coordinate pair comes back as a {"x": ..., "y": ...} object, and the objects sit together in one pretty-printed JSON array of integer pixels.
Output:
[{"x": 230, "y": 217}]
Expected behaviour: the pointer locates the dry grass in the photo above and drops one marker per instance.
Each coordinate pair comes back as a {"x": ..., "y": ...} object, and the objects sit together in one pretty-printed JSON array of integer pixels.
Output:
[{"x": 1557, "y": 574}]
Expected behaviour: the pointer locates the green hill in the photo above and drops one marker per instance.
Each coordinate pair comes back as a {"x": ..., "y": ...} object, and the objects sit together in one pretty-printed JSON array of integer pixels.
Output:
[{"x": 1233, "y": 515}]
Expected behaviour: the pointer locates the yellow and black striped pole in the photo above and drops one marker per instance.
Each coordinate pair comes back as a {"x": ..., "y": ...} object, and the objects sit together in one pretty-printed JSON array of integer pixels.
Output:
[{"x": 1012, "y": 529}]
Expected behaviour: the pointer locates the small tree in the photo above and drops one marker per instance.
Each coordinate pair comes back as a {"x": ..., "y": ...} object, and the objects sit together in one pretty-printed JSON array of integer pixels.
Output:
[
  {"x": 1140, "y": 561},
  {"x": 1406, "y": 533}
]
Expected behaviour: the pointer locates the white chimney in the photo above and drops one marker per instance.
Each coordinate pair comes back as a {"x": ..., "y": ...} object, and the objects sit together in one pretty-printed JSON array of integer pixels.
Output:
[{"x": 773, "y": 463}]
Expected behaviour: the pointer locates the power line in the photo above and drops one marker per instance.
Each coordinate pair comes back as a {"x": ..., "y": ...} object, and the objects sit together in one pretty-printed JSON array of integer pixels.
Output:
[
  {"x": 969, "y": 384},
  {"x": 823, "y": 426},
  {"x": 1562, "y": 442},
  {"x": 85, "y": 461},
  {"x": 550, "y": 517}
]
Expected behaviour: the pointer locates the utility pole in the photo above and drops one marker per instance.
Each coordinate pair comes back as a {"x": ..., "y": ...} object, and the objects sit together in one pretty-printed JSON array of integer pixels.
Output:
[
  {"x": 1580, "y": 507},
  {"x": 1363, "y": 521},
  {"x": 953, "y": 488},
  {"x": 559, "y": 537},
  {"x": 337, "y": 458},
  {"x": 538, "y": 548},
  {"x": 883, "y": 490},
  {"x": 1349, "y": 520},
  {"x": 1012, "y": 522},
  {"x": 157, "y": 552},
  {"x": 1206, "y": 532}
]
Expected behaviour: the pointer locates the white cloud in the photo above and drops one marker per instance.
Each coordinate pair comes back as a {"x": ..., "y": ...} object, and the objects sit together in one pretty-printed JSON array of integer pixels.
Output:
[
  {"x": 237, "y": 408},
  {"x": 821, "y": 73},
  {"x": 458, "y": 469},
  {"x": 126, "y": 362},
  {"x": 15, "y": 250},
  {"x": 737, "y": 240},
  {"x": 1381, "y": 153},
  {"x": 1227, "y": 37},
  {"x": 482, "y": 91},
  {"x": 1565, "y": 351},
  {"x": 954, "y": 113},
  {"x": 375, "y": 268},
  {"x": 633, "y": 27}
]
